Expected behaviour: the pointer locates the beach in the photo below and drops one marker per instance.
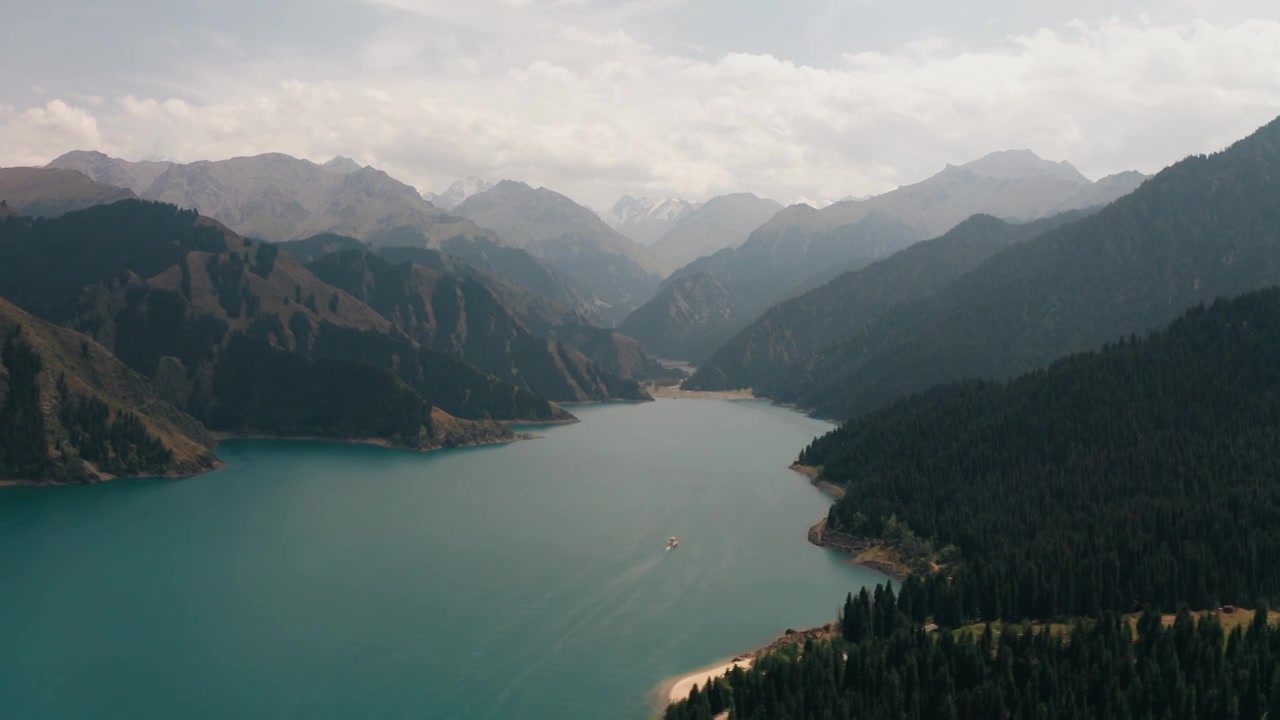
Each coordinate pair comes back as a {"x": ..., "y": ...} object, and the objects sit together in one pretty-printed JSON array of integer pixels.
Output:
[{"x": 678, "y": 688}]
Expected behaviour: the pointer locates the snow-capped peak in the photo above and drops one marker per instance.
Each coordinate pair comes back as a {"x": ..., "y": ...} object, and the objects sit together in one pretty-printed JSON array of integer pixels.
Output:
[
  {"x": 460, "y": 190},
  {"x": 629, "y": 210},
  {"x": 645, "y": 219}
]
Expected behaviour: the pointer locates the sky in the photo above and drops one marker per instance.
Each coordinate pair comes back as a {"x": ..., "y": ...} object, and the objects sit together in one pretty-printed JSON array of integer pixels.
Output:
[{"x": 802, "y": 100}]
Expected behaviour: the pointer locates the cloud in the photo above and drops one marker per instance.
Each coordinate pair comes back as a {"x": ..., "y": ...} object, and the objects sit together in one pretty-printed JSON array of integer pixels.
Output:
[
  {"x": 35, "y": 135},
  {"x": 556, "y": 94}
]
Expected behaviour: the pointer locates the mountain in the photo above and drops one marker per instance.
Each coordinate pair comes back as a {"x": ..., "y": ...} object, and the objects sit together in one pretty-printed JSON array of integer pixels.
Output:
[
  {"x": 342, "y": 165},
  {"x": 615, "y": 353},
  {"x": 308, "y": 250},
  {"x": 721, "y": 222},
  {"x": 572, "y": 240},
  {"x": 44, "y": 192},
  {"x": 459, "y": 316},
  {"x": 540, "y": 297},
  {"x": 792, "y": 331},
  {"x": 244, "y": 338},
  {"x": 71, "y": 412},
  {"x": 1105, "y": 190},
  {"x": 534, "y": 296},
  {"x": 460, "y": 190},
  {"x": 749, "y": 281},
  {"x": 276, "y": 197},
  {"x": 801, "y": 248},
  {"x": 645, "y": 220},
  {"x": 678, "y": 321},
  {"x": 1204, "y": 227},
  {"x": 1167, "y": 436},
  {"x": 135, "y": 176}
]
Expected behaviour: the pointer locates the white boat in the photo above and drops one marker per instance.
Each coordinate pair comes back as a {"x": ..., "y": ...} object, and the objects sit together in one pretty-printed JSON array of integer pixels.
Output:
[{"x": 672, "y": 543}]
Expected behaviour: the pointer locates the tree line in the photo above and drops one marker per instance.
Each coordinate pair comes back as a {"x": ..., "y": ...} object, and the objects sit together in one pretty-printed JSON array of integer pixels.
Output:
[{"x": 1140, "y": 476}]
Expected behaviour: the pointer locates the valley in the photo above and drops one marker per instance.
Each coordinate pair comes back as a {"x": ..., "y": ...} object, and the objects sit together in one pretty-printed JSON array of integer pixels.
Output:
[{"x": 517, "y": 359}]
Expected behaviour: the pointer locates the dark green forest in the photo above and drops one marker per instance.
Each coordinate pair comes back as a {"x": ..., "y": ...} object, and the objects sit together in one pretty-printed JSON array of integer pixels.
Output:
[
  {"x": 1063, "y": 489},
  {"x": 886, "y": 665},
  {"x": 24, "y": 452},
  {"x": 116, "y": 442},
  {"x": 1140, "y": 476},
  {"x": 46, "y": 263}
]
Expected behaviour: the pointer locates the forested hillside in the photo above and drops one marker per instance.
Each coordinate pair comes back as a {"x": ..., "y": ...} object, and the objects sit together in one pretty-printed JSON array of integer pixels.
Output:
[
  {"x": 889, "y": 667},
  {"x": 1137, "y": 478},
  {"x": 1202, "y": 228},
  {"x": 70, "y": 412},
  {"x": 1062, "y": 489},
  {"x": 540, "y": 300},
  {"x": 460, "y": 317},
  {"x": 793, "y": 331},
  {"x": 242, "y": 337}
]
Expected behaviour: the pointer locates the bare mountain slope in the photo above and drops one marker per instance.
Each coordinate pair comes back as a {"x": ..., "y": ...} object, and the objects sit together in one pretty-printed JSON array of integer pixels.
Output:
[
  {"x": 571, "y": 239},
  {"x": 46, "y": 192},
  {"x": 721, "y": 222},
  {"x": 276, "y": 197}
]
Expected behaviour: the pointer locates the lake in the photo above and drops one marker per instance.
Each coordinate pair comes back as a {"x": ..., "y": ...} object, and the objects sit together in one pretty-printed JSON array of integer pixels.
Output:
[{"x": 326, "y": 581}]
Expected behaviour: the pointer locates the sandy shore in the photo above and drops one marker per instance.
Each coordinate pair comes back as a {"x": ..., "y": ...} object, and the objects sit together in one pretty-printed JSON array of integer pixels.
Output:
[
  {"x": 377, "y": 442},
  {"x": 815, "y": 479},
  {"x": 678, "y": 688},
  {"x": 674, "y": 391}
]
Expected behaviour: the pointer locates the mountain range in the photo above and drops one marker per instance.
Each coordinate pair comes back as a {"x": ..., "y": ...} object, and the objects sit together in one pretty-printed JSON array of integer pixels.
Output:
[
  {"x": 644, "y": 219},
  {"x": 722, "y": 222},
  {"x": 276, "y": 197},
  {"x": 538, "y": 299},
  {"x": 228, "y": 333},
  {"x": 801, "y": 248},
  {"x": 456, "y": 314},
  {"x": 1202, "y": 228},
  {"x": 794, "y": 330},
  {"x": 570, "y": 239}
]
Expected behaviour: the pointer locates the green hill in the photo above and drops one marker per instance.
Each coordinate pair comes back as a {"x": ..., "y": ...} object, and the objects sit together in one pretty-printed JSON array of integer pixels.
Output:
[
  {"x": 242, "y": 337},
  {"x": 460, "y": 317},
  {"x": 1141, "y": 473},
  {"x": 71, "y": 412}
]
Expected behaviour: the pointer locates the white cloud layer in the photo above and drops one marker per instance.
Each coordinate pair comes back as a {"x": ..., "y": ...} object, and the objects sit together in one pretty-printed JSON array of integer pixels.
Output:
[{"x": 551, "y": 92}]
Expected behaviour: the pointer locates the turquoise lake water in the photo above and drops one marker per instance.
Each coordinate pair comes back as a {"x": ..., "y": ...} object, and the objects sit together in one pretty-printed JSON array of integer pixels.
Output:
[{"x": 323, "y": 581}]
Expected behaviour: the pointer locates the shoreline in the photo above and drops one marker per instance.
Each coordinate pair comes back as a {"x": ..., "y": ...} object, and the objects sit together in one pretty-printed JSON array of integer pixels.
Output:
[
  {"x": 869, "y": 553},
  {"x": 675, "y": 689},
  {"x": 674, "y": 392},
  {"x": 815, "y": 479},
  {"x": 382, "y": 442},
  {"x": 14, "y": 482}
]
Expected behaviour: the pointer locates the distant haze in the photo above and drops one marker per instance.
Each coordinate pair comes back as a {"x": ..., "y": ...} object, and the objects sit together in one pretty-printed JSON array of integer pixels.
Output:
[{"x": 813, "y": 99}]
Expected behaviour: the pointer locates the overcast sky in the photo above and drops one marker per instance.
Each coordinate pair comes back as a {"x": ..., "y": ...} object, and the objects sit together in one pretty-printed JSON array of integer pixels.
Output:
[{"x": 803, "y": 99}]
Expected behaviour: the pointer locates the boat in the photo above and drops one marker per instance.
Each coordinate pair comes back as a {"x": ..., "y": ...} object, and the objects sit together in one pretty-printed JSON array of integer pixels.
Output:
[{"x": 672, "y": 543}]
